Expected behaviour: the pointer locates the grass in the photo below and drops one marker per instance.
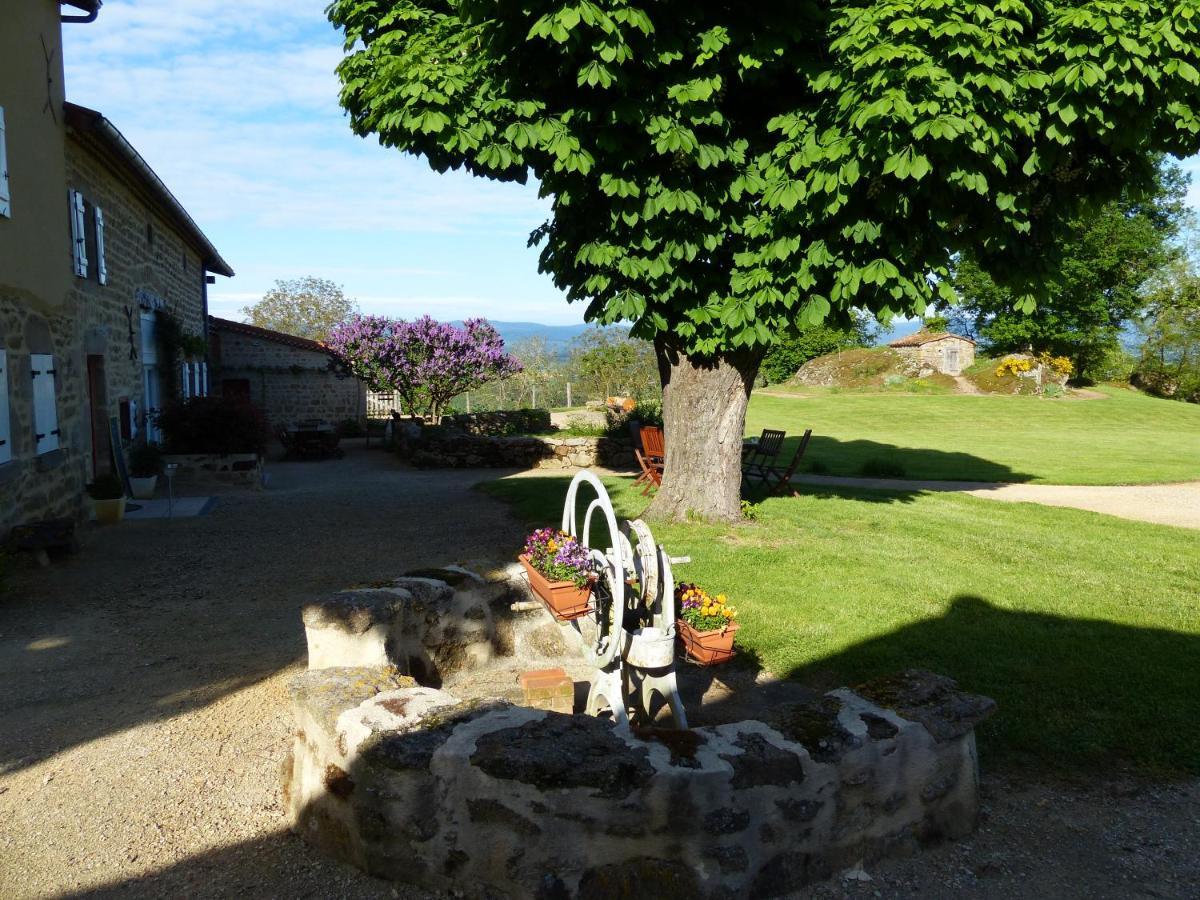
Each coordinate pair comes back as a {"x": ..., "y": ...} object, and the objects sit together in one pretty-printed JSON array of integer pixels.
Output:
[
  {"x": 1084, "y": 628},
  {"x": 1126, "y": 438}
]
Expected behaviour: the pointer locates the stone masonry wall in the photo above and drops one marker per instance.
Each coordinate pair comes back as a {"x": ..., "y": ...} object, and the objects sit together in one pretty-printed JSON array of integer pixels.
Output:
[
  {"x": 399, "y": 776},
  {"x": 48, "y": 486},
  {"x": 286, "y": 382}
]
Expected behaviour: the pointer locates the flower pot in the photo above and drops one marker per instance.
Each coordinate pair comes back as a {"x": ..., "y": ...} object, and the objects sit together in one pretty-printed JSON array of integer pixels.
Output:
[
  {"x": 109, "y": 512},
  {"x": 143, "y": 488},
  {"x": 708, "y": 648},
  {"x": 563, "y": 600}
]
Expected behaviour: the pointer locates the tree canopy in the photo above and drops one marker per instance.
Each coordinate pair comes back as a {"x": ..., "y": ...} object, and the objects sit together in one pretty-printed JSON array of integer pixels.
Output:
[
  {"x": 1107, "y": 260},
  {"x": 308, "y": 307},
  {"x": 720, "y": 179}
]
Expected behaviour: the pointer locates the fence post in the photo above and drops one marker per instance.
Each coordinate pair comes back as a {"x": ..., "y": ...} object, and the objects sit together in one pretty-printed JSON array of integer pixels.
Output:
[{"x": 568, "y": 395}]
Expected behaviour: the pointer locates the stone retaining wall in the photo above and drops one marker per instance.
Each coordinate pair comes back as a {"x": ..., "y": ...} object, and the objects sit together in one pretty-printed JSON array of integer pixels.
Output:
[
  {"x": 500, "y": 422},
  {"x": 464, "y": 451},
  {"x": 227, "y": 468},
  {"x": 415, "y": 784}
]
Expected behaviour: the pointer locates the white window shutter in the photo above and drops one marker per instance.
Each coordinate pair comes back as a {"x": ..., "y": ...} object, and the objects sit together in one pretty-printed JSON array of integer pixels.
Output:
[
  {"x": 6, "y": 449},
  {"x": 78, "y": 234},
  {"x": 149, "y": 339},
  {"x": 101, "y": 268},
  {"x": 45, "y": 403},
  {"x": 5, "y": 196}
]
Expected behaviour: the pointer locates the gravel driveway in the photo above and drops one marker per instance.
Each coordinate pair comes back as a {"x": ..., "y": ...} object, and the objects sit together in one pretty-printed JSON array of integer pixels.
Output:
[
  {"x": 1162, "y": 504},
  {"x": 143, "y": 714}
]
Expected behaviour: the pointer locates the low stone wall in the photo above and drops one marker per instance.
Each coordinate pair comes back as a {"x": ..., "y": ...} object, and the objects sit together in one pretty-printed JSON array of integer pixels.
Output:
[
  {"x": 229, "y": 468},
  {"x": 478, "y": 795},
  {"x": 501, "y": 421},
  {"x": 463, "y": 451}
]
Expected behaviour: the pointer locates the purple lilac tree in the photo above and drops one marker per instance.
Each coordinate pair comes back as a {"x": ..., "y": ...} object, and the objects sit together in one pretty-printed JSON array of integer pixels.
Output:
[{"x": 426, "y": 362}]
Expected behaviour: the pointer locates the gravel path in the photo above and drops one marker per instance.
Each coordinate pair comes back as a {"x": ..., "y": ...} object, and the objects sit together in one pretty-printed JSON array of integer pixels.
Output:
[
  {"x": 1163, "y": 504},
  {"x": 143, "y": 714}
]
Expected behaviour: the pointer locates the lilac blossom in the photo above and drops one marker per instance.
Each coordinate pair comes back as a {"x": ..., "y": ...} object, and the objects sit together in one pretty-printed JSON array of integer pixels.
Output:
[{"x": 426, "y": 362}]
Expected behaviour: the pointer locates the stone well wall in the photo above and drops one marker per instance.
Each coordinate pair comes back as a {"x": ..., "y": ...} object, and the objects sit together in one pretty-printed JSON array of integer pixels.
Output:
[{"x": 420, "y": 784}]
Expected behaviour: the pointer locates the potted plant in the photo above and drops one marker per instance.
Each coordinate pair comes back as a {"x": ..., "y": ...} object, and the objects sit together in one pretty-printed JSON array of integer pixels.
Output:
[
  {"x": 145, "y": 465},
  {"x": 706, "y": 625},
  {"x": 108, "y": 497},
  {"x": 560, "y": 572}
]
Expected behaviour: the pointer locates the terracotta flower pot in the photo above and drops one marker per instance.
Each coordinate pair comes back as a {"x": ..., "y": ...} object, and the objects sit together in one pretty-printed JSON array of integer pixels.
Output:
[
  {"x": 561, "y": 598},
  {"x": 708, "y": 648}
]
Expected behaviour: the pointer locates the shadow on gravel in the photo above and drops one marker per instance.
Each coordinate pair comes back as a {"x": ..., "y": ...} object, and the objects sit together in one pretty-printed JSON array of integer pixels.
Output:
[{"x": 155, "y": 618}]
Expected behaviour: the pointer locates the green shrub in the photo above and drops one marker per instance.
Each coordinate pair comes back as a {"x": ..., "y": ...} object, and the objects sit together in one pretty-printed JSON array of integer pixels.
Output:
[
  {"x": 213, "y": 425},
  {"x": 145, "y": 461},
  {"x": 106, "y": 487}
]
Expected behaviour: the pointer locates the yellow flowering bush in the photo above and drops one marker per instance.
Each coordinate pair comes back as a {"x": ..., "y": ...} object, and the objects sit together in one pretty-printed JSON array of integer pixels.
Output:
[
  {"x": 1014, "y": 365},
  {"x": 1057, "y": 364},
  {"x": 701, "y": 610}
]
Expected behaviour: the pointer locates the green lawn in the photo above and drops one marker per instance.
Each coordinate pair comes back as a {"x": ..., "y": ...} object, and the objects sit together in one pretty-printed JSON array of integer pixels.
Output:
[
  {"x": 1125, "y": 438},
  {"x": 1085, "y": 628}
]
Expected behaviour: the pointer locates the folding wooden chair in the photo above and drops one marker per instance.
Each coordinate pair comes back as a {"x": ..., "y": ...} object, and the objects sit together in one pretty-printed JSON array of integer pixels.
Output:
[
  {"x": 777, "y": 479},
  {"x": 763, "y": 454},
  {"x": 651, "y": 458}
]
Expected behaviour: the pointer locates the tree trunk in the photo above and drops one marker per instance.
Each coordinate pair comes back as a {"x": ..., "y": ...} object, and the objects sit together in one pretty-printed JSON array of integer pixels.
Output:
[{"x": 704, "y": 419}]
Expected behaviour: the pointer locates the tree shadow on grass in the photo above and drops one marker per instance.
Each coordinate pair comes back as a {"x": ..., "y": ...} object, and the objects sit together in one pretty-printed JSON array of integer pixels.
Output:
[
  {"x": 871, "y": 459},
  {"x": 1075, "y": 695}
]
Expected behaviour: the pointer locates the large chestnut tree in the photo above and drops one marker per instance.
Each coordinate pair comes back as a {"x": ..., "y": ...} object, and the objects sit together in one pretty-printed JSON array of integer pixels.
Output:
[{"x": 722, "y": 174}]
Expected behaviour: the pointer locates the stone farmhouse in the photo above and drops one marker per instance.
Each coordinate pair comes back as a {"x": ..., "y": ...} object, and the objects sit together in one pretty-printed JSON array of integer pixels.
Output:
[
  {"x": 98, "y": 261},
  {"x": 940, "y": 351},
  {"x": 288, "y": 377}
]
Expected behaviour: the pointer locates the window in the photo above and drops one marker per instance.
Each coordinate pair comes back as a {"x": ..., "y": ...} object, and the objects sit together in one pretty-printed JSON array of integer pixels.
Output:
[
  {"x": 194, "y": 379},
  {"x": 5, "y": 422},
  {"x": 45, "y": 403},
  {"x": 5, "y": 200},
  {"x": 79, "y": 234},
  {"x": 101, "y": 268}
]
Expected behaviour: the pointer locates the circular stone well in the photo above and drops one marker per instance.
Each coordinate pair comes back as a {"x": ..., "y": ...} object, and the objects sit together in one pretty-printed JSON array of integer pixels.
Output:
[{"x": 412, "y": 782}]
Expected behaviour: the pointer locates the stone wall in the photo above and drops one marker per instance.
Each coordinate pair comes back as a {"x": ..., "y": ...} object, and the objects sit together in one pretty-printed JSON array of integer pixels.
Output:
[
  {"x": 932, "y": 354},
  {"x": 51, "y": 485},
  {"x": 412, "y": 782},
  {"x": 501, "y": 421},
  {"x": 287, "y": 383},
  {"x": 438, "y": 448}
]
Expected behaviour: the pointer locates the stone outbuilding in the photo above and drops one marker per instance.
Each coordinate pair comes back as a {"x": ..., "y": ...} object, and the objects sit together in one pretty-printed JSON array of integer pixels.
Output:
[
  {"x": 288, "y": 377},
  {"x": 940, "y": 351}
]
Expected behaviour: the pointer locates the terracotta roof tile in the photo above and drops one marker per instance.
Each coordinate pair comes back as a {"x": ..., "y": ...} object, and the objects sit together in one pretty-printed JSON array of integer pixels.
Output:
[
  {"x": 266, "y": 334},
  {"x": 925, "y": 337}
]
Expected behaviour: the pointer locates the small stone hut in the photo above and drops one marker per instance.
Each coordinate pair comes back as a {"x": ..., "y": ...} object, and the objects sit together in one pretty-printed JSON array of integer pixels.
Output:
[
  {"x": 288, "y": 377},
  {"x": 940, "y": 351}
]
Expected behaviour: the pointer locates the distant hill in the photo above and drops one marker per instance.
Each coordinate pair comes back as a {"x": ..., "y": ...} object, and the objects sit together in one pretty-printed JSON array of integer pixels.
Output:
[{"x": 557, "y": 337}]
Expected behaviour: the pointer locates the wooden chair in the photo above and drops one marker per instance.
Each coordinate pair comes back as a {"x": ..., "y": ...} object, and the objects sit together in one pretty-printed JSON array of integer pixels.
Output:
[
  {"x": 763, "y": 454},
  {"x": 777, "y": 479},
  {"x": 651, "y": 458}
]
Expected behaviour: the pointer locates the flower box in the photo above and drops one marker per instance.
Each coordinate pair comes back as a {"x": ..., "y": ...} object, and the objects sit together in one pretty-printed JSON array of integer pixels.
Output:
[
  {"x": 562, "y": 599},
  {"x": 708, "y": 648}
]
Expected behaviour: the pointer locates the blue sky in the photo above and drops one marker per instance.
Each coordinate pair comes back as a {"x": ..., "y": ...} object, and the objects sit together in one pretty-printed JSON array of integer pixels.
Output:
[{"x": 234, "y": 104}]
